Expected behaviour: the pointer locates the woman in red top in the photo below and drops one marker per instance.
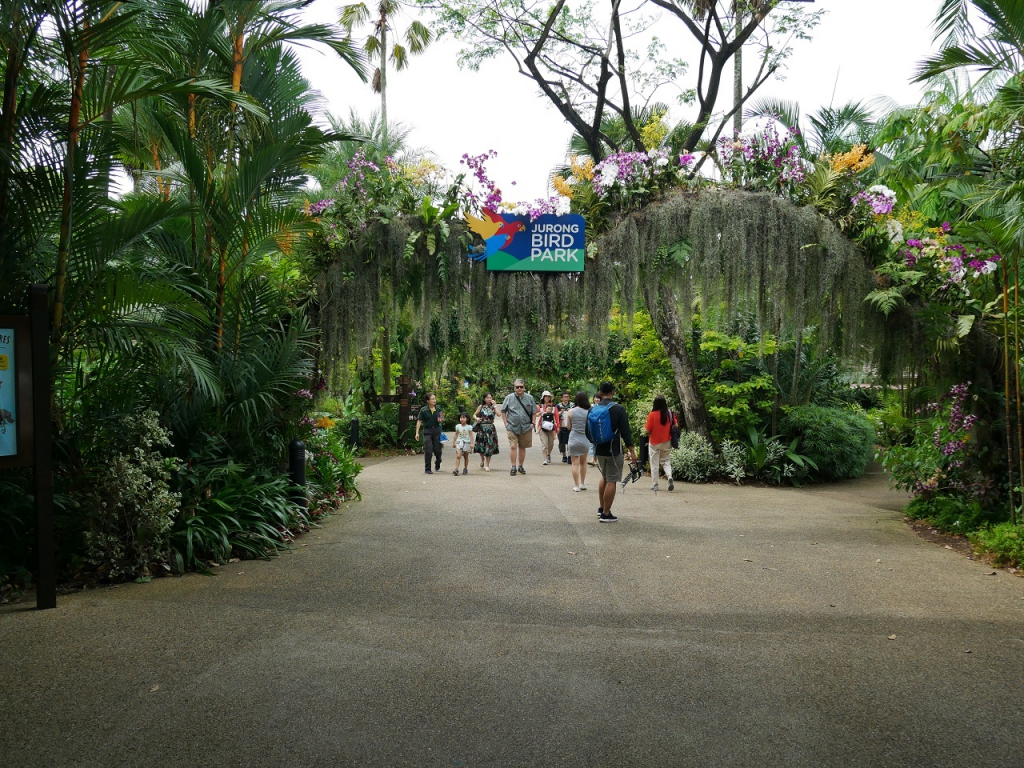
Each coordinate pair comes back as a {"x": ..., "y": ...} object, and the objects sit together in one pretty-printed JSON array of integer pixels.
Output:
[{"x": 659, "y": 427}]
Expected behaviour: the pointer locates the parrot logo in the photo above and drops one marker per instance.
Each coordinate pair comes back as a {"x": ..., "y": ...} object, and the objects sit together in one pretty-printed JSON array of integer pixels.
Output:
[{"x": 497, "y": 233}]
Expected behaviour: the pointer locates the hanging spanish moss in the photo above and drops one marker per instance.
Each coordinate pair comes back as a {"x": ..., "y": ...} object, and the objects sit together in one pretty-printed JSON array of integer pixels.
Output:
[
  {"x": 737, "y": 251},
  {"x": 745, "y": 252}
]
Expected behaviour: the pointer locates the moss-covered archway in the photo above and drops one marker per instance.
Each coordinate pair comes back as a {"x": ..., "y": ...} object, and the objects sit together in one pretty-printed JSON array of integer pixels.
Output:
[{"x": 734, "y": 250}]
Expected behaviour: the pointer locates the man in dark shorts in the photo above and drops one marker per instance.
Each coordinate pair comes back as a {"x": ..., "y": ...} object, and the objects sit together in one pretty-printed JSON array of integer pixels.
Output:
[{"x": 609, "y": 455}]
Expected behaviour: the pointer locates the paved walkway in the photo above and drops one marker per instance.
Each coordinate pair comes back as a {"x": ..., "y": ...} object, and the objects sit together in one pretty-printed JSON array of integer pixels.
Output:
[{"x": 492, "y": 621}]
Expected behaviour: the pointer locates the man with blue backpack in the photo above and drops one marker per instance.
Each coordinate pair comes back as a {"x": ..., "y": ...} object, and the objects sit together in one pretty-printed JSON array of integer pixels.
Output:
[{"x": 608, "y": 429}]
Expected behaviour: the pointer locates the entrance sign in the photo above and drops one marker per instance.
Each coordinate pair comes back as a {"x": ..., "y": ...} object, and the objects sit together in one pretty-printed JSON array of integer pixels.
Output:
[
  {"x": 25, "y": 437},
  {"x": 8, "y": 392},
  {"x": 549, "y": 243},
  {"x": 15, "y": 392}
]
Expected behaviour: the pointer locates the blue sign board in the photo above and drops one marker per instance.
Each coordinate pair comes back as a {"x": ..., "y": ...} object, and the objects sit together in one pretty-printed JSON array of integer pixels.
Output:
[{"x": 549, "y": 243}]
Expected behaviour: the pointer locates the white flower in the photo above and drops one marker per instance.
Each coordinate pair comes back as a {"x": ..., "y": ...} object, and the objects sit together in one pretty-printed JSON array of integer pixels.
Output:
[
  {"x": 563, "y": 206},
  {"x": 884, "y": 191},
  {"x": 659, "y": 156},
  {"x": 895, "y": 229},
  {"x": 609, "y": 174}
]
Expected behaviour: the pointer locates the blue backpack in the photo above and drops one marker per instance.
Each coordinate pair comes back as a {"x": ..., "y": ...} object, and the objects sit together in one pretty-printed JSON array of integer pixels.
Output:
[{"x": 599, "y": 423}]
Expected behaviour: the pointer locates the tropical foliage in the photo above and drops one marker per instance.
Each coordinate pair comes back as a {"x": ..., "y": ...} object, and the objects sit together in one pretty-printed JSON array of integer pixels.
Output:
[{"x": 150, "y": 155}]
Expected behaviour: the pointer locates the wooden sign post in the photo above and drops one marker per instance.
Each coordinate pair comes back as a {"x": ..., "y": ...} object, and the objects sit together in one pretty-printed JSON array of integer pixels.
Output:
[
  {"x": 404, "y": 415},
  {"x": 25, "y": 436}
]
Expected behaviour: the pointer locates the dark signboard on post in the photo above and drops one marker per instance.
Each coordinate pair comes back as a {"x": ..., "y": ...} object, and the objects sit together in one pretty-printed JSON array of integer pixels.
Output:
[
  {"x": 25, "y": 438},
  {"x": 15, "y": 392}
]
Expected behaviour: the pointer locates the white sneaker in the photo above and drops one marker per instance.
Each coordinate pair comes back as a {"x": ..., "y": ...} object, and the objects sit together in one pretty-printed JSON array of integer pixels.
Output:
[
  {"x": 654, "y": 487},
  {"x": 546, "y": 462},
  {"x": 583, "y": 487},
  {"x": 575, "y": 489}
]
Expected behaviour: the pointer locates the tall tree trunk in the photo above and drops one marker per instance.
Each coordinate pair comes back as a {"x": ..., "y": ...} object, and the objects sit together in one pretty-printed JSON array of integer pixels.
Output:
[
  {"x": 1010, "y": 458},
  {"x": 64, "y": 242},
  {"x": 737, "y": 73},
  {"x": 385, "y": 357},
  {"x": 383, "y": 80},
  {"x": 238, "y": 60},
  {"x": 670, "y": 329},
  {"x": 1016, "y": 376}
]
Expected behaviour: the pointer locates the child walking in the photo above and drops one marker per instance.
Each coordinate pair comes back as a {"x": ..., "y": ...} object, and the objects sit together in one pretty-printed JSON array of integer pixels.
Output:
[{"x": 463, "y": 443}]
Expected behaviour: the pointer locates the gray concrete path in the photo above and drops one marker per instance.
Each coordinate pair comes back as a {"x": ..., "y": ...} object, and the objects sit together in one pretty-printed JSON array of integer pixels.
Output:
[{"x": 492, "y": 621}]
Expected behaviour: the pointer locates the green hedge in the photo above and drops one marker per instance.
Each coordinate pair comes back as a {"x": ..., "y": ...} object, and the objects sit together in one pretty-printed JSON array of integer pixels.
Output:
[{"x": 840, "y": 441}]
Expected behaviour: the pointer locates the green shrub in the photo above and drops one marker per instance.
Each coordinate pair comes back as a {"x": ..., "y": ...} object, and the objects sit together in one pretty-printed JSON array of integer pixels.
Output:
[
  {"x": 891, "y": 426},
  {"x": 954, "y": 514},
  {"x": 234, "y": 511},
  {"x": 694, "y": 460},
  {"x": 839, "y": 441},
  {"x": 17, "y": 521},
  {"x": 380, "y": 428},
  {"x": 732, "y": 460},
  {"x": 332, "y": 469},
  {"x": 1005, "y": 542},
  {"x": 128, "y": 505}
]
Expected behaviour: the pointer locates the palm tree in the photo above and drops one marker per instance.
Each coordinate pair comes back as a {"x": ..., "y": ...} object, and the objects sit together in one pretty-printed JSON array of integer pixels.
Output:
[
  {"x": 831, "y": 129},
  {"x": 417, "y": 37}
]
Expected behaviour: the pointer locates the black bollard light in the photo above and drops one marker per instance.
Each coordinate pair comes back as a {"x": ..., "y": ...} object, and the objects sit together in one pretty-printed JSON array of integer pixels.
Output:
[
  {"x": 353, "y": 434},
  {"x": 297, "y": 468}
]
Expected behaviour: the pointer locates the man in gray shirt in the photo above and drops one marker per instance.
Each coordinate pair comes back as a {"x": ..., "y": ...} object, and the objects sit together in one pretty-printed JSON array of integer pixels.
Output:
[{"x": 518, "y": 411}]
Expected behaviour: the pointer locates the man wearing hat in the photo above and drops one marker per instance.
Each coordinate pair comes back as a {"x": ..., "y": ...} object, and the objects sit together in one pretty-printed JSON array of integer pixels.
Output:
[{"x": 518, "y": 411}]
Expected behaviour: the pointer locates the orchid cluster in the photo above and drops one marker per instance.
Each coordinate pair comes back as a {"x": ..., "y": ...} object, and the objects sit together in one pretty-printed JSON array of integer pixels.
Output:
[
  {"x": 951, "y": 438},
  {"x": 326, "y": 469},
  {"x": 317, "y": 208},
  {"x": 558, "y": 205},
  {"x": 475, "y": 163},
  {"x": 762, "y": 160},
  {"x": 879, "y": 198},
  {"x": 368, "y": 192},
  {"x": 940, "y": 459},
  {"x": 953, "y": 264},
  {"x": 354, "y": 181},
  {"x": 621, "y": 168},
  {"x": 630, "y": 177}
]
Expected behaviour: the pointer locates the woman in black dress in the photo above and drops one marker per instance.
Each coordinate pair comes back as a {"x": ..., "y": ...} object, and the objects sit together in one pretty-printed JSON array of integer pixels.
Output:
[{"x": 487, "y": 435}]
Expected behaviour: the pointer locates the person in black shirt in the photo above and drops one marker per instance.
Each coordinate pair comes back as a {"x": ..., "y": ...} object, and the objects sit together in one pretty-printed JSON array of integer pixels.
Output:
[
  {"x": 430, "y": 419},
  {"x": 609, "y": 455}
]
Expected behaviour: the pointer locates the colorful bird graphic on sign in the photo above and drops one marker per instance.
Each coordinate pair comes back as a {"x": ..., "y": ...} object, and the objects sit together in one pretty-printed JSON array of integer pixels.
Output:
[{"x": 497, "y": 233}]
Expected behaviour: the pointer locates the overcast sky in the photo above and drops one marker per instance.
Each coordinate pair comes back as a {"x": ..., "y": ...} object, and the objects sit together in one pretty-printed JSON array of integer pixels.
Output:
[{"x": 862, "y": 49}]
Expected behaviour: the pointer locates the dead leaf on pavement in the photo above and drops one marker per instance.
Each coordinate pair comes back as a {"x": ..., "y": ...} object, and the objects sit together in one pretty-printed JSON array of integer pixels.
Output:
[
  {"x": 747, "y": 560},
  {"x": 572, "y": 553},
  {"x": 892, "y": 637},
  {"x": 154, "y": 688},
  {"x": 993, "y": 573}
]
